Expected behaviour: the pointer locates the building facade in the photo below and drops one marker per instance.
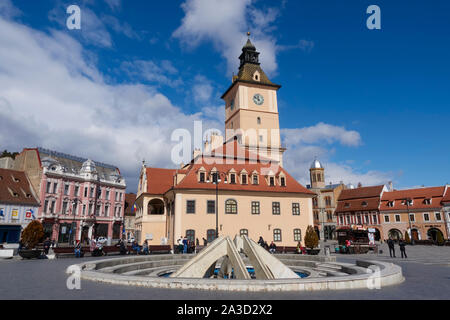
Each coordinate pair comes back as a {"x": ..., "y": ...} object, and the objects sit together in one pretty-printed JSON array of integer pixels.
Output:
[
  {"x": 446, "y": 208},
  {"x": 80, "y": 199},
  {"x": 130, "y": 216},
  {"x": 417, "y": 212},
  {"x": 177, "y": 203},
  {"x": 360, "y": 208},
  {"x": 18, "y": 205},
  {"x": 325, "y": 202},
  {"x": 237, "y": 185}
]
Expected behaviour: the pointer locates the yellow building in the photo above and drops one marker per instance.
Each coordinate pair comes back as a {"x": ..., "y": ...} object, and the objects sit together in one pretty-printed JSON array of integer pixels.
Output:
[{"x": 232, "y": 188}]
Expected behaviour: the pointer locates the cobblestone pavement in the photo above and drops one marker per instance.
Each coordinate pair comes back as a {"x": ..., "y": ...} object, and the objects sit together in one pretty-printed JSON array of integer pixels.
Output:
[{"x": 426, "y": 271}]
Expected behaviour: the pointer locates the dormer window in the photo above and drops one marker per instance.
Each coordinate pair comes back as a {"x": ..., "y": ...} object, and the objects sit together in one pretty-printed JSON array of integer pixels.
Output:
[
  {"x": 202, "y": 177},
  {"x": 232, "y": 178},
  {"x": 15, "y": 179},
  {"x": 283, "y": 181},
  {"x": 346, "y": 205},
  {"x": 272, "y": 181},
  {"x": 244, "y": 179},
  {"x": 255, "y": 179},
  {"x": 364, "y": 203},
  {"x": 427, "y": 201},
  {"x": 13, "y": 193},
  {"x": 390, "y": 204},
  {"x": 256, "y": 76}
]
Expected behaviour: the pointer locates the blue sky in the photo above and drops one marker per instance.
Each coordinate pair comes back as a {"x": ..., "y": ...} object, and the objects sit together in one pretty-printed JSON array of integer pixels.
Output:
[{"x": 372, "y": 105}]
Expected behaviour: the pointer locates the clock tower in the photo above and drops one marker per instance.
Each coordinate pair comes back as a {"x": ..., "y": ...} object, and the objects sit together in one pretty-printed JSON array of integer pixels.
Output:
[{"x": 251, "y": 109}]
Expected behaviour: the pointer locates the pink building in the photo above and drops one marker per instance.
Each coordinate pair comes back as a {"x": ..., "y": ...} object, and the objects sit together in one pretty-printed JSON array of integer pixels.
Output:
[{"x": 80, "y": 198}]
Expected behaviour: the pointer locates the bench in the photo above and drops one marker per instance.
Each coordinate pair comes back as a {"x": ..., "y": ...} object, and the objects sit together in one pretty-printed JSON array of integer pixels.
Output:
[
  {"x": 159, "y": 249},
  {"x": 60, "y": 251}
]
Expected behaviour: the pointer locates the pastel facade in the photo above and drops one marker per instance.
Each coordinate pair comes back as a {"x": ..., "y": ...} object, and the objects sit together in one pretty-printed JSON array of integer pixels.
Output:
[
  {"x": 426, "y": 214},
  {"x": 80, "y": 199},
  {"x": 175, "y": 203},
  {"x": 18, "y": 205},
  {"x": 360, "y": 207}
]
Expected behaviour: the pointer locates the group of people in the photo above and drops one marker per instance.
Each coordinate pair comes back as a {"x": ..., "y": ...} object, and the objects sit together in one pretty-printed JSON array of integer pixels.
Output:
[
  {"x": 272, "y": 248},
  {"x": 185, "y": 245},
  {"x": 391, "y": 246}
]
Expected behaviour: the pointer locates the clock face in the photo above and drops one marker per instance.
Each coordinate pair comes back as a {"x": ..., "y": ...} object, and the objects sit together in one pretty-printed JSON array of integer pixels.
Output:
[{"x": 258, "y": 99}]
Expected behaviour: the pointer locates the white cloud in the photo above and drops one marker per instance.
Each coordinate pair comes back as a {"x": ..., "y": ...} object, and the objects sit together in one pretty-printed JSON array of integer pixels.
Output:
[
  {"x": 52, "y": 95},
  {"x": 147, "y": 70},
  {"x": 224, "y": 24},
  {"x": 93, "y": 30},
  {"x": 322, "y": 132},
  {"x": 7, "y": 10},
  {"x": 114, "y": 4},
  {"x": 305, "y": 144}
]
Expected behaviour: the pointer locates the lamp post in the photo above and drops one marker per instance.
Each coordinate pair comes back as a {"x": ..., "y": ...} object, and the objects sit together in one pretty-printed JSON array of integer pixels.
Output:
[
  {"x": 216, "y": 180},
  {"x": 407, "y": 200}
]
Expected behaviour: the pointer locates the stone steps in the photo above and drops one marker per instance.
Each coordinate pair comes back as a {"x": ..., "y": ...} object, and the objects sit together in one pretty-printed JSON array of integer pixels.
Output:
[{"x": 135, "y": 266}]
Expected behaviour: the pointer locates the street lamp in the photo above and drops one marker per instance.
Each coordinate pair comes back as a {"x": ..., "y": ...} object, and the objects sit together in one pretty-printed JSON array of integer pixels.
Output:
[
  {"x": 216, "y": 180},
  {"x": 407, "y": 200}
]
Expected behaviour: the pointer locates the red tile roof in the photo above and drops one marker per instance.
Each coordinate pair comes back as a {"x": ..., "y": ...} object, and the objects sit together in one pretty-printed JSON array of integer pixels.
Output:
[
  {"x": 159, "y": 181},
  {"x": 15, "y": 188},
  {"x": 363, "y": 192},
  {"x": 225, "y": 158},
  {"x": 417, "y": 195},
  {"x": 446, "y": 196},
  {"x": 359, "y": 199}
]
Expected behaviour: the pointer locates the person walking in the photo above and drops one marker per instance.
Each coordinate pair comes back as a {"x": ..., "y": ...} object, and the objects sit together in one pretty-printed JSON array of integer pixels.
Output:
[
  {"x": 47, "y": 245},
  {"x": 402, "y": 248},
  {"x": 185, "y": 245},
  {"x": 391, "y": 246}
]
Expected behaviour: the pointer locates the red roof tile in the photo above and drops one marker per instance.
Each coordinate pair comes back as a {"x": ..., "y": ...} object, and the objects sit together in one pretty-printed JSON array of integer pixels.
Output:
[
  {"x": 15, "y": 188},
  {"x": 447, "y": 196},
  {"x": 363, "y": 192},
  {"x": 159, "y": 181},
  {"x": 417, "y": 195}
]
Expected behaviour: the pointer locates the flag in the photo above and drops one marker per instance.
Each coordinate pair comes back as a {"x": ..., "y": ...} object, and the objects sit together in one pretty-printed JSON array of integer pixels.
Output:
[{"x": 134, "y": 207}]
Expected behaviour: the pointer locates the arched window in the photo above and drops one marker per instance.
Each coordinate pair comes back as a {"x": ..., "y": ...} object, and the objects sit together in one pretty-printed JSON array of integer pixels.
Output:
[
  {"x": 190, "y": 235},
  {"x": 297, "y": 235},
  {"x": 211, "y": 235},
  {"x": 277, "y": 235},
  {"x": 231, "y": 206},
  {"x": 243, "y": 232}
]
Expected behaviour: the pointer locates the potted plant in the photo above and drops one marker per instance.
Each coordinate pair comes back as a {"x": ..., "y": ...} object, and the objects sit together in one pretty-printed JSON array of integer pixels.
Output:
[
  {"x": 31, "y": 236},
  {"x": 311, "y": 241}
]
